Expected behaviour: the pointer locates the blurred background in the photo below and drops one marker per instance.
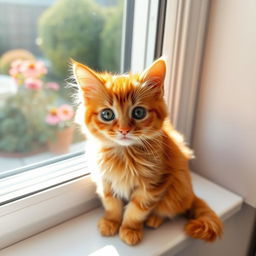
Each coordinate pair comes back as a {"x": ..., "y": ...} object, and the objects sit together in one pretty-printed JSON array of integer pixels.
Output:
[{"x": 37, "y": 40}]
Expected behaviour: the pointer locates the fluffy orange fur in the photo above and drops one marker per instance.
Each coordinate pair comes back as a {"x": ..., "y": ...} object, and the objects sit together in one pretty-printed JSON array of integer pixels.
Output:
[{"x": 140, "y": 161}]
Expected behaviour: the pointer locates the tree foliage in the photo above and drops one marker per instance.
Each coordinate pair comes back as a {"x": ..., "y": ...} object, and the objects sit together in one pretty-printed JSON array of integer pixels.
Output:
[
  {"x": 71, "y": 29},
  {"x": 110, "y": 50}
]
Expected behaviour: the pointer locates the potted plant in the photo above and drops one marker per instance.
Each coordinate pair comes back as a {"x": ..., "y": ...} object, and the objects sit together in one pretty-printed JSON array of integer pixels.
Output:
[{"x": 60, "y": 123}]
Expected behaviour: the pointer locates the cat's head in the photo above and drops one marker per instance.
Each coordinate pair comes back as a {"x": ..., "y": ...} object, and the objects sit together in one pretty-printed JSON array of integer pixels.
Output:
[{"x": 122, "y": 109}]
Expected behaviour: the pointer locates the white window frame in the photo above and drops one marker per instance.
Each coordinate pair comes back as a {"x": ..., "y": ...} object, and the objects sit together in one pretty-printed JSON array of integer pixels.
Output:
[
  {"x": 185, "y": 25},
  {"x": 144, "y": 34},
  {"x": 183, "y": 46}
]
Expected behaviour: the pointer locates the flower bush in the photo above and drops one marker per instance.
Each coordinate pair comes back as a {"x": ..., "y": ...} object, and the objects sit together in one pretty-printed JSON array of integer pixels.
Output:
[
  {"x": 23, "y": 123},
  {"x": 22, "y": 70}
]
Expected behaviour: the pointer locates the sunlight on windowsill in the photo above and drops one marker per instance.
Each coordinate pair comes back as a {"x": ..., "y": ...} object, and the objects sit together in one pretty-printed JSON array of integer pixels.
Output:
[{"x": 106, "y": 250}]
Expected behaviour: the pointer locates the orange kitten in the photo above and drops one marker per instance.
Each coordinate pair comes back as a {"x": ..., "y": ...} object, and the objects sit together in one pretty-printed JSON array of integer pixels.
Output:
[{"x": 137, "y": 156}]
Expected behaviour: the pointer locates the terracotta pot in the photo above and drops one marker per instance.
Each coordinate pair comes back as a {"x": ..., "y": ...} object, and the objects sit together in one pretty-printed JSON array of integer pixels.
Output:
[{"x": 61, "y": 143}]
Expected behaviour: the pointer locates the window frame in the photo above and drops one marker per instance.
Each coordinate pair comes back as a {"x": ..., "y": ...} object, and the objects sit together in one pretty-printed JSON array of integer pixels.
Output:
[
  {"x": 187, "y": 22},
  {"x": 144, "y": 34},
  {"x": 37, "y": 212}
]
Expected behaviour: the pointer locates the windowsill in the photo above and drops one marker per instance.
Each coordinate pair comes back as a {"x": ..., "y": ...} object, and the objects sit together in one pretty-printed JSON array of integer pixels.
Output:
[{"x": 79, "y": 236}]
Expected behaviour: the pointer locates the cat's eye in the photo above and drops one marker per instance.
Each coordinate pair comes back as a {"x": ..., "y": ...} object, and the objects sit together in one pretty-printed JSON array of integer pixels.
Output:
[
  {"x": 107, "y": 114},
  {"x": 139, "y": 113}
]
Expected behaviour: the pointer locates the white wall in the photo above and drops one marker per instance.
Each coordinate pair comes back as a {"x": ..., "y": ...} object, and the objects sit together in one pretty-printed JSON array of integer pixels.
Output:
[{"x": 224, "y": 136}]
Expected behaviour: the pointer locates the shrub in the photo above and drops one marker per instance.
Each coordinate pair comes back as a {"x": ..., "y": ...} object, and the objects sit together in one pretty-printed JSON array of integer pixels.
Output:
[
  {"x": 71, "y": 29},
  {"x": 110, "y": 49},
  {"x": 8, "y": 57},
  {"x": 17, "y": 134}
]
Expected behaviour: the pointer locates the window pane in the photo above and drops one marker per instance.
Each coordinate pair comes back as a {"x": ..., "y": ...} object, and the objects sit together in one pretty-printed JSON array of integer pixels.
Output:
[{"x": 37, "y": 40}]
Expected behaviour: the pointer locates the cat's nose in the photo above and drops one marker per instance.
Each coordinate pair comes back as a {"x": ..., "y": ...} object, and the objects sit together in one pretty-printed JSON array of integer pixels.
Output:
[{"x": 124, "y": 130}]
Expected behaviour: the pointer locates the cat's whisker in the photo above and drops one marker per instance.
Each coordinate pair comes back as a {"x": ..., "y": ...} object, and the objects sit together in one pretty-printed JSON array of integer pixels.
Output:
[{"x": 148, "y": 147}]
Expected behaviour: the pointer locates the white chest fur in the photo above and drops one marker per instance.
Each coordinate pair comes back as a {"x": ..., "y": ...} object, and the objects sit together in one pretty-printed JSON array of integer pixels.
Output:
[
  {"x": 122, "y": 184},
  {"x": 115, "y": 172}
]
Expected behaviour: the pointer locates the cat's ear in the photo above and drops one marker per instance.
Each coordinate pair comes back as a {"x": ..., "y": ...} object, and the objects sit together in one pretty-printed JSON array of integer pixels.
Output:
[
  {"x": 155, "y": 74},
  {"x": 86, "y": 78}
]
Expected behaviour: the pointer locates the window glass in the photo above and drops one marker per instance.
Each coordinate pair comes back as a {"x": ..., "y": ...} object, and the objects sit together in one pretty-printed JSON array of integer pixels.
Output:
[{"x": 37, "y": 40}]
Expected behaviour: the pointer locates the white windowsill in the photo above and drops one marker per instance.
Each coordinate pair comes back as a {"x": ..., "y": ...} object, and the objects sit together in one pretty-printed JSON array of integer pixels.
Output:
[{"x": 79, "y": 236}]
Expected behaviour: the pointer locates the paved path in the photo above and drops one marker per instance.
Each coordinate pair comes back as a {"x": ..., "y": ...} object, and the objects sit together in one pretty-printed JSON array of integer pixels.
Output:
[{"x": 7, "y": 163}]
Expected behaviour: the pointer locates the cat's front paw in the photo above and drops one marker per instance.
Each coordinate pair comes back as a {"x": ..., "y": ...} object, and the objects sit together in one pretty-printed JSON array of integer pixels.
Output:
[
  {"x": 131, "y": 236},
  {"x": 154, "y": 221},
  {"x": 108, "y": 227}
]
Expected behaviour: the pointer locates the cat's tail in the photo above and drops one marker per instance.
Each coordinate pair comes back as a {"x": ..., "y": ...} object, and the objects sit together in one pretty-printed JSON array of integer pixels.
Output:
[{"x": 204, "y": 223}]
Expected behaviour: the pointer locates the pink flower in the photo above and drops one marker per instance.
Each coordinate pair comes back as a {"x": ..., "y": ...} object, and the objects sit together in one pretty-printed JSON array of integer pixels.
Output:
[
  {"x": 17, "y": 63},
  {"x": 52, "y": 85},
  {"x": 41, "y": 67},
  {"x": 65, "y": 112},
  {"x": 33, "y": 83},
  {"x": 15, "y": 68},
  {"x": 31, "y": 68},
  {"x": 52, "y": 118}
]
